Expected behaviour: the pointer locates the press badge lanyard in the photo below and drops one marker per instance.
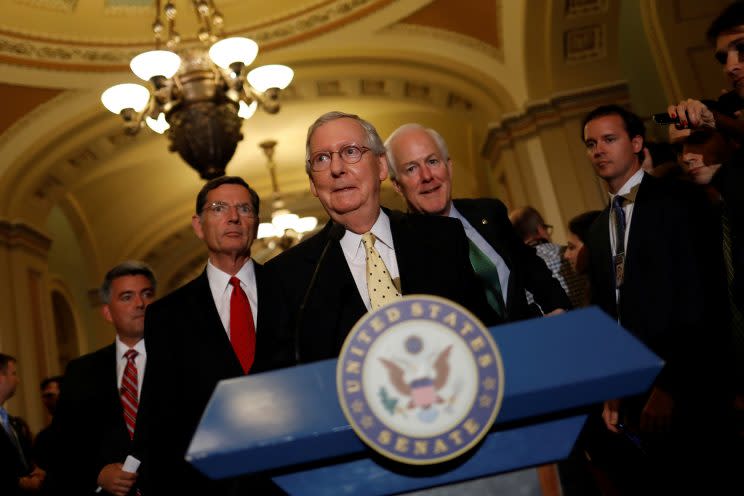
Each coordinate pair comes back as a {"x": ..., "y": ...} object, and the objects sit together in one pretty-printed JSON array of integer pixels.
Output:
[{"x": 618, "y": 260}]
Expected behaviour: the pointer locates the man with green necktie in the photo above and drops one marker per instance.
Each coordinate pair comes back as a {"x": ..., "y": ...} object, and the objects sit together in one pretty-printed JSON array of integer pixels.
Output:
[{"x": 421, "y": 171}]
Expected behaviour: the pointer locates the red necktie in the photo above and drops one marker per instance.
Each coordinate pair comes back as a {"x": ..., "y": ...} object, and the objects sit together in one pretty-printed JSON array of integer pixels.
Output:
[
  {"x": 129, "y": 400},
  {"x": 242, "y": 328}
]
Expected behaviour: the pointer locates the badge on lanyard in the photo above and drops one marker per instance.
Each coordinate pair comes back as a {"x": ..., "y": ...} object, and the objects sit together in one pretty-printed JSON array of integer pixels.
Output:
[{"x": 619, "y": 261}]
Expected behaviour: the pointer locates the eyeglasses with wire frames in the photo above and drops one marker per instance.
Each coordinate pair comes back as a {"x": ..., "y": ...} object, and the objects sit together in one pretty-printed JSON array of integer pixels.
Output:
[
  {"x": 349, "y": 154},
  {"x": 220, "y": 209}
]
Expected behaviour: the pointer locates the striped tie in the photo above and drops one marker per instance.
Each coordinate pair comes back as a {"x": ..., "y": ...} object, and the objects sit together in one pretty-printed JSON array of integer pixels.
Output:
[{"x": 129, "y": 400}]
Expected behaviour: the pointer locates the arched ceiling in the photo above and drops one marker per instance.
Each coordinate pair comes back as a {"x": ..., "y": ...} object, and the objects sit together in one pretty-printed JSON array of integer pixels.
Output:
[{"x": 457, "y": 65}]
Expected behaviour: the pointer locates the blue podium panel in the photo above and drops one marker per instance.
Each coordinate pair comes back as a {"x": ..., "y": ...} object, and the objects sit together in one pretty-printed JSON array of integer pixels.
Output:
[
  {"x": 292, "y": 416},
  {"x": 501, "y": 451}
]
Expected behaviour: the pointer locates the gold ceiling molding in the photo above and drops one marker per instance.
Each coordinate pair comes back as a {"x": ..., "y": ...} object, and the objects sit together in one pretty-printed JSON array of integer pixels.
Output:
[
  {"x": 415, "y": 91},
  {"x": 309, "y": 23},
  {"x": 56, "y": 5},
  {"x": 19, "y": 235},
  {"x": 580, "y": 8},
  {"x": 585, "y": 44},
  {"x": 86, "y": 55},
  {"x": 18, "y": 50},
  {"x": 446, "y": 36},
  {"x": 551, "y": 112}
]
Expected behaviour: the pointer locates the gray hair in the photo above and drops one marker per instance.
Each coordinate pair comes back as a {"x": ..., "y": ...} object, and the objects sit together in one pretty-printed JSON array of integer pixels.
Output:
[
  {"x": 374, "y": 142},
  {"x": 441, "y": 144},
  {"x": 128, "y": 268}
]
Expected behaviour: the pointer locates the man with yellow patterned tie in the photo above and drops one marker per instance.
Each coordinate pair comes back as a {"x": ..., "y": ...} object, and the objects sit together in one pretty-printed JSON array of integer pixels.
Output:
[{"x": 366, "y": 255}]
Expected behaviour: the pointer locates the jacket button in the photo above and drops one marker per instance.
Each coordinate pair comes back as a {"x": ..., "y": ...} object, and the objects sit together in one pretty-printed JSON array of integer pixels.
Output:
[{"x": 484, "y": 221}]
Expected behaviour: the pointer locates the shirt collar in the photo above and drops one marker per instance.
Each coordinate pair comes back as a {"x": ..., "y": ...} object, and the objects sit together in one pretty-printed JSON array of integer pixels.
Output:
[
  {"x": 629, "y": 190},
  {"x": 454, "y": 213},
  {"x": 220, "y": 280},
  {"x": 351, "y": 242},
  {"x": 121, "y": 348}
]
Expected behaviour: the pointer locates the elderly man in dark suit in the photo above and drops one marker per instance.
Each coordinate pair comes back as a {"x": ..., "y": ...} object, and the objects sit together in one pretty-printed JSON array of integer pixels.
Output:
[
  {"x": 421, "y": 170},
  {"x": 366, "y": 255},
  {"x": 656, "y": 266},
  {"x": 208, "y": 330},
  {"x": 96, "y": 416}
]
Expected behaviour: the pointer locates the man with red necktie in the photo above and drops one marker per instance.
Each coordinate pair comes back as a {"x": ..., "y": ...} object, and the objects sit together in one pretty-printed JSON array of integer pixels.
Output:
[
  {"x": 95, "y": 424},
  {"x": 208, "y": 330}
]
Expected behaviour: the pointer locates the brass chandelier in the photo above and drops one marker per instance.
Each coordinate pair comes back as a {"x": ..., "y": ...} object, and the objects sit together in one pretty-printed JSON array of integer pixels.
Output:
[{"x": 197, "y": 95}]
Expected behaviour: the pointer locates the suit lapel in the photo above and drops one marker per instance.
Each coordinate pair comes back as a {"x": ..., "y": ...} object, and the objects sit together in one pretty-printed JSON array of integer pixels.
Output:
[
  {"x": 204, "y": 311},
  {"x": 483, "y": 221},
  {"x": 335, "y": 300},
  {"x": 640, "y": 221},
  {"x": 602, "y": 264},
  {"x": 111, "y": 391},
  {"x": 400, "y": 232}
]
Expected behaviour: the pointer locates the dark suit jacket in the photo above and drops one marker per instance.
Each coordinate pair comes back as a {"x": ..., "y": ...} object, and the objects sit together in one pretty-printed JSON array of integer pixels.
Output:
[
  {"x": 526, "y": 269},
  {"x": 673, "y": 289},
  {"x": 88, "y": 425},
  {"x": 12, "y": 467},
  {"x": 729, "y": 181},
  {"x": 432, "y": 256},
  {"x": 188, "y": 353}
]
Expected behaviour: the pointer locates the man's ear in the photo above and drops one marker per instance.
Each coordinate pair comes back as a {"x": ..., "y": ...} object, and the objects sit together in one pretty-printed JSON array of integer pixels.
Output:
[
  {"x": 383, "y": 164},
  {"x": 106, "y": 312},
  {"x": 196, "y": 225},
  {"x": 312, "y": 186},
  {"x": 637, "y": 143}
]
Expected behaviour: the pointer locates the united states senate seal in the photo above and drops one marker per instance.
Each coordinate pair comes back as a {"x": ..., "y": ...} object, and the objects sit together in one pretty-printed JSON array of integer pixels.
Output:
[{"x": 420, "y": 380}]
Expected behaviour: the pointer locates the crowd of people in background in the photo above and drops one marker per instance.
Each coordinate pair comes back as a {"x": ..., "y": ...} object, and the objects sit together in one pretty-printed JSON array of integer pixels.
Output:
[{"x": 665, "y": 259}]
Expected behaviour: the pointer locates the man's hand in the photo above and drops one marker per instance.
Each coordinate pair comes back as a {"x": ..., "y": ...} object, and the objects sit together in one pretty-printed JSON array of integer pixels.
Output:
[
  {"x": 657, "y": 414},
  {"x": 115, "y": 481},
  {"x": 611, "y": 415},
  {"x": 692, "y": 114},
  {"x": 33, "y": 481}
]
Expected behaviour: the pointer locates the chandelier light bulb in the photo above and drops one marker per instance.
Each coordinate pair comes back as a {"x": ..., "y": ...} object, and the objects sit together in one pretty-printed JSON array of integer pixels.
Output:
[
  {"x": 305, "y": 224},
  {"x": 246, "y": 111},
  {"x": 155, "y": 63},
  {"x": 270, "y": 76},
  {"x": 231, "y": 50},
  {"x": 159, "y": 125},
  {"x": 267, "y": 230},
  {"x": 125, "y": 96},
  {"x": 284, "y": 220}
]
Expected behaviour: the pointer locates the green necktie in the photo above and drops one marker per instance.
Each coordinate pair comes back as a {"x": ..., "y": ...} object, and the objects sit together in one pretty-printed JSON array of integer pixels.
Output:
[{"x": 489, "y": 275}]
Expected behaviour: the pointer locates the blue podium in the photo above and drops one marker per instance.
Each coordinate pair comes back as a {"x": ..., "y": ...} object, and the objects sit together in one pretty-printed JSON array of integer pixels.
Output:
[{"x": 289, "y": 421}]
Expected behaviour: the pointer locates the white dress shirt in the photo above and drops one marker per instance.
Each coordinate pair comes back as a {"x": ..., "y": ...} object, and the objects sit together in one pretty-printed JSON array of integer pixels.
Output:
[
  {"x": 356, "y": 257},
  {"x": 121, "y": 362},
  {"x": 487, "y": 250},
  {"x": 219, "y": 284}
]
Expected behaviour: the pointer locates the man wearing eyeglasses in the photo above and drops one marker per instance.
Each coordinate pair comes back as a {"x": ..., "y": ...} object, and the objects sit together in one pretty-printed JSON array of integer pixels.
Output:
[
  {"x": 421, "y": 170},
  {"x": 367, "y": 255},
  {"x": 208, "y": 330}
]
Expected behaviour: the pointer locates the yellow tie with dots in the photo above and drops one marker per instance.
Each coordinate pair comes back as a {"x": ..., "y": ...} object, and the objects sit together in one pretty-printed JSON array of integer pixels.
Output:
[{"x": 379, "y": 283}]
